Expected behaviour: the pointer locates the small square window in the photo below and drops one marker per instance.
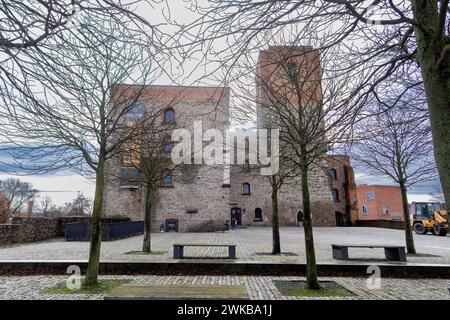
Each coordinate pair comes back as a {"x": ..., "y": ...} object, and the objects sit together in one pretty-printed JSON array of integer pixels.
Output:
[{"x": 370, "y": 195}]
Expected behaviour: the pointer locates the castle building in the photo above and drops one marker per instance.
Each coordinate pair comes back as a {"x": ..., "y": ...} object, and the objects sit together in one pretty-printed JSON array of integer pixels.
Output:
[{"x": 200, "y": 196}]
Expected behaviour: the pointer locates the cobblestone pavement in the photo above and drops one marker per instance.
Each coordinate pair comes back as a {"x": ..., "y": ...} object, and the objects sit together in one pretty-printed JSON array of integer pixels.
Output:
[
  {"x": 253, "y": 244},
  {"x": 30, "y": 287}
]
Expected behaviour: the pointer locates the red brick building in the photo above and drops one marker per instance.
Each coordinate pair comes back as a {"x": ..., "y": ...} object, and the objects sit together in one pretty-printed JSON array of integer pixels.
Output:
[
  {"x": 343, "y": 190},
  {"x": 379, "y": 202}
]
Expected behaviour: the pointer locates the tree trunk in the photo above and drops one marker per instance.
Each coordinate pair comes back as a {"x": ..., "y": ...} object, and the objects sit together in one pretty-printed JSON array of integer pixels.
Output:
[
  {"x": 146, "y": 247},
  {"x": 96, "y": 232},
  {"x": 311, "y": 267},
  {"x": 276, "y": 248},
  {"x": 433, "y": 55},
  {"x": 408, "y": 230}
]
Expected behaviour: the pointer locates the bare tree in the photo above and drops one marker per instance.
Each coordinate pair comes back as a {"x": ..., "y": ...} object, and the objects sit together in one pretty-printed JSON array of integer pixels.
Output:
[
  {"x": 147, "y": 153},
  {"x": 69, "y": 120},
  {"x": 398, "y": 145},
  {"x": 383, "y": 40},
  {"x": 286, "y": 172},
  {"x": 29, "y": 30},
  {"x": 436, "y": 195},
  {"x": 299, "y": 94},
  {"x": 17, "y": 193},
  {"x": 3, "y": 209},
  {"x": 46, "y": 205},
  {"x": 79, "y": 206}
]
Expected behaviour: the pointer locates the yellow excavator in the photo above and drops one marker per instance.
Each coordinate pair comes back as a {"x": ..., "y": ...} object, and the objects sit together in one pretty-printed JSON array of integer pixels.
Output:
[{"x": 429, "y": 216}]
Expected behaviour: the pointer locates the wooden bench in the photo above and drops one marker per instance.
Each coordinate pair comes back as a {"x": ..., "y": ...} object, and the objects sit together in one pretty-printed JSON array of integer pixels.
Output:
[
  {"x": 394, "y": 253},
  {"x": 131, "y": 291},
  {"x": 178, "y": 249}
]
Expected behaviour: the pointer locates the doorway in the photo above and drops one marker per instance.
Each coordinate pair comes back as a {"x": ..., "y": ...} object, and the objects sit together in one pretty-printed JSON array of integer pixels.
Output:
[
  {"x": 236, "y": 216},
  {"x": 299, "y": 218},
  {"x": 339, "y": 219}
]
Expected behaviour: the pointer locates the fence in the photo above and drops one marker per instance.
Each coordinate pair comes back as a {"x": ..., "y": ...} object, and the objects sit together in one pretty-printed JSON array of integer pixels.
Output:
[{"x": 79, "y": 231}]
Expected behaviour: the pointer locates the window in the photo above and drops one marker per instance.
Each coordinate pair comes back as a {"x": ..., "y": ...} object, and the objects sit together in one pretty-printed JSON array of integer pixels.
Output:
[
  {"x": 370, "y": 195},
  {"x": 335, "y": 194},
  {"x": 258, "y": 214},
  {"x": 131, "y": 152},
  {"x": 168, "y": 145},
  {"x": 169, "y": 116},
  {"x": 333, "y": 174},
  {"x": 136, "y": 112},
  {"x": 292, "y": 71},
  {"x": 385, "y": 209},
  {"x": 365, "y": 210},
  {"x": 246, "y": 188},
  {"x": 166, "y": 179}
]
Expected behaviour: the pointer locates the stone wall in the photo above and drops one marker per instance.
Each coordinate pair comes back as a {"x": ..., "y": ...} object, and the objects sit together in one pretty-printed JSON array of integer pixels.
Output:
[
  {"x": 32, "y": 229},
  {"x": 289, "y": 198},
  {"x": 197, "y": 195}
]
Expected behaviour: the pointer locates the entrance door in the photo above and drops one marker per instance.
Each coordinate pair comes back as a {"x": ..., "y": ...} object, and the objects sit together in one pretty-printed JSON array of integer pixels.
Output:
[
  {"x": 299, "y": 218},
  {"x": 236, "y": 216},
  {"x": 339, "y": 219}
]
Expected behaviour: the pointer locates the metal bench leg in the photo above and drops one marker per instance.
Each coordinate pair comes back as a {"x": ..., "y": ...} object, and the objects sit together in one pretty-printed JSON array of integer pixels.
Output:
[
  {"x": 178, "y": 252},
  {"x": 340, "y": 253},
  {"x": 395, "y": 254},
  {"x": 231, "y": 252}
]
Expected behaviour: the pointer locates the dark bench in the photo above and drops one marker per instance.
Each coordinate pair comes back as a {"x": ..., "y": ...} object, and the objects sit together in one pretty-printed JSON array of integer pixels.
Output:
[
  {"x": 178, "y": 249},
  {"x": 394, "y": 253}
]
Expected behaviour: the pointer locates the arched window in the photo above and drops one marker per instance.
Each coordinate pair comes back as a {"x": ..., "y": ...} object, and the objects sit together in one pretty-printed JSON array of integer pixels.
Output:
[
  {"x": 246, "y": 188},
  {"x": 258, "y": 214},
  {"x": 168, "y": 145},
  {"x": 333, "y": 174},
  {"x": 169, "y": 116},
  {"x": 166, "y": 178},
  {"x": 335, "y": 194}
]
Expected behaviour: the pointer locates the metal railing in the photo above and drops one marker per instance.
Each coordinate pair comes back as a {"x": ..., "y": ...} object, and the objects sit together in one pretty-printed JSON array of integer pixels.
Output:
[{"x": 79, "y": 231}]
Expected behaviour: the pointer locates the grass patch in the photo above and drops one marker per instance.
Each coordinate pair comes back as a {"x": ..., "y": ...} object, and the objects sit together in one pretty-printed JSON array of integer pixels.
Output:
[
  {"x": 299, "y": 289},
  {"x": 103, "y": 286},
  {"x": 142, "y": 253}
]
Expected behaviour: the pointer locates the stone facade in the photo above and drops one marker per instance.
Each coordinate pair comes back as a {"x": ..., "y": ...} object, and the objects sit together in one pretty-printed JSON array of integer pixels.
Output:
[
  {"x": 289, "y": 199},
  {"x": 199, "y": 194},
  {"x": 207, "y": 195}
]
